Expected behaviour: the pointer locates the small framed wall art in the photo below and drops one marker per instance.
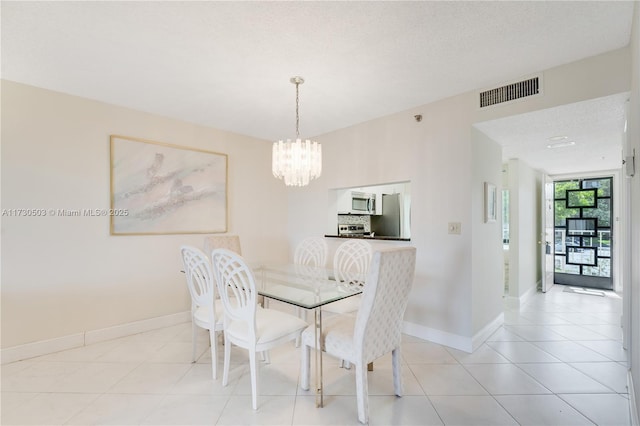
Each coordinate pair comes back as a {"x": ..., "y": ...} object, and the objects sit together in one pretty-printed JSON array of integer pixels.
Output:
[
  {"x": 490, "y": 202},
  {"x": 158, "y": 188}
]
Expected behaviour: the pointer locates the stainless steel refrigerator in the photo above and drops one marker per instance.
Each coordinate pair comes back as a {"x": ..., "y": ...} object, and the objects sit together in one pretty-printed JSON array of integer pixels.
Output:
[{"x": 388, "y": 223}]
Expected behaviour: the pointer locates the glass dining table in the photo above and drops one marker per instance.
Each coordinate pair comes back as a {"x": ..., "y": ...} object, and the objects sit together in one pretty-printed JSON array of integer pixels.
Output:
[{"x": 306, "y": 287}]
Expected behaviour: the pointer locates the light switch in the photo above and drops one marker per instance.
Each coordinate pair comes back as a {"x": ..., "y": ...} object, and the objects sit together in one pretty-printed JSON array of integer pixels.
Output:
[{"x": 455, "y": 227}]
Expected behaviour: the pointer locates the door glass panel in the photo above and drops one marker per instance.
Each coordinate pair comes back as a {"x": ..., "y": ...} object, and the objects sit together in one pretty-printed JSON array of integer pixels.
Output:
[
  {"x": 562, "y": 186},
  {"x": 602, "y": 270},
  {"x": 562, "y": 212},
  {"x": 561, "y": 266},
  {"x": 602, "y": 212},
  {"x": 583, "y": 233}
]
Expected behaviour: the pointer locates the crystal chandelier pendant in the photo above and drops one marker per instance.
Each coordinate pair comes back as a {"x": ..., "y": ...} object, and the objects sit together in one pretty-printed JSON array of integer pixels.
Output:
[{"x": 298, "y": 161}]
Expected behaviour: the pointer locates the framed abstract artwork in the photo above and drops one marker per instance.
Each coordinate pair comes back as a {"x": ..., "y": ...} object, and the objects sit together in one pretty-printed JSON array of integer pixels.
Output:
[
  {"x": 159, "y": 188},
  {"x": 490, "y": 202}
]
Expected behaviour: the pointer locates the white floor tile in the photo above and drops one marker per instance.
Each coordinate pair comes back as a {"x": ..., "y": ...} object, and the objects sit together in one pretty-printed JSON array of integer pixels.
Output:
[
  {"x": 117, "y": 409},
  {"x": 187, "y": 410},
  {"x": 47, "y": 409},
  {"x": 612, "y": 349},
  {"x": 541, "y": 410},
  {"x": 38, "y": 376},
  {"x": 576, "y": 332},
  {"x": 95, "y": 377},
  {"x": 471, "y": 410},
  {"x": 446, "y": 379},
  {"x": 505, "y": 379},
  {"x": 337, "y": 410},
  {"x": 569, "y": 351},
  {"x": 272, "y": 410},
  {"x": 610, "y": 374},
  {"x": 152, "y": 378},
  {"x": 198, "y": 381},
  {"x": 535, "y": 333},
  {"x": 408, "y": 410},
  {"x": 607, "y": 409},
  {"x": 562, "y": 378},
  {"x": 520, "y": 352},
  {"x": 426, "y": 353}
]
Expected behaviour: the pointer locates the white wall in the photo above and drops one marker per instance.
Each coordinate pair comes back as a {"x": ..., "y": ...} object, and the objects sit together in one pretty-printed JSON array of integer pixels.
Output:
[
  {"x": 524, "y": 212},
  {"x": 66, "y": 275},
  {"x": 487, "y": 276},
  {"x": 632, "y": 285}
]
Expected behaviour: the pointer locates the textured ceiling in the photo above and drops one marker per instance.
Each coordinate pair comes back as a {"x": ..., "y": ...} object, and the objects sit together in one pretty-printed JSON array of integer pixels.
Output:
[{"x": 228, "y": 64}]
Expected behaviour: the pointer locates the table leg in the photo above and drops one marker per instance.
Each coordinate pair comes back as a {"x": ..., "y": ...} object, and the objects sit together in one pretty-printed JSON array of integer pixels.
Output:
[{"x": 318, "y": 356}]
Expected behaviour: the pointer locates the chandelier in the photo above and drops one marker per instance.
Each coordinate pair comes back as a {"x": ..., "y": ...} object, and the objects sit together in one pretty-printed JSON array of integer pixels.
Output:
[{"x": 297, "y": 161}]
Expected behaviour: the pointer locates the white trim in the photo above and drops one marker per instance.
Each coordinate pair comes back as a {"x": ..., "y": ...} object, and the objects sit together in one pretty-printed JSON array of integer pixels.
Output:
[
  {"x": 438, "y": 336},
  {"x": 136, "y": 327},
  {"x": 517, "y": 302},
  {"x": 486, "y": 332},
  {"x": 633, "y": 408},
  {"x": 44, "y": 347}
]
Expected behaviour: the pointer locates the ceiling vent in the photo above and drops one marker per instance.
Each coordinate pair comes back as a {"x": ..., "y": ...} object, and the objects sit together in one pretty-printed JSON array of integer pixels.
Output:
[{"x": 510, "y": 92}]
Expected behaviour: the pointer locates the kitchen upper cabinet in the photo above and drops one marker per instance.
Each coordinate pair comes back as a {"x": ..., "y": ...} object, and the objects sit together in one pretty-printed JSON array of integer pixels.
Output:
[{"x": 343, "y": 201}]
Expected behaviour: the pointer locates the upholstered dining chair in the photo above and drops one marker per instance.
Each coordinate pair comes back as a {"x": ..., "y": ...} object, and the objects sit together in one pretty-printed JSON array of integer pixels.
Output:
[
  {"x": 350, "y": 265},
  {"x": 230, "y": 242},
  {"x": 245, "y": 324},
  {"x": 206, "y": 310},
  {"x": 375, "y": 330}
]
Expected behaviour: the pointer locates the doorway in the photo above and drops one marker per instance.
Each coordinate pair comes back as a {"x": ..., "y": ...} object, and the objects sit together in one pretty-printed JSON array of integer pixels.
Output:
[{"x": 583, "y": 232}]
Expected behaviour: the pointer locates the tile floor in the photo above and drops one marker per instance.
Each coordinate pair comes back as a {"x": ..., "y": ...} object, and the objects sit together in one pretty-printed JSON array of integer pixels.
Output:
[{"x": 556, "y": 361}]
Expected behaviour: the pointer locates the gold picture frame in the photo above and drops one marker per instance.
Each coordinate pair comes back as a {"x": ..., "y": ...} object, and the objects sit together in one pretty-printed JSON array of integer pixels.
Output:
[{"x": 160, "y": 188}]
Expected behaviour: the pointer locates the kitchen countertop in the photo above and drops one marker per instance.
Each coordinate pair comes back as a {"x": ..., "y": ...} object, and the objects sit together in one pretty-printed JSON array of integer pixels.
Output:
[{"x": 367, "y": 237}]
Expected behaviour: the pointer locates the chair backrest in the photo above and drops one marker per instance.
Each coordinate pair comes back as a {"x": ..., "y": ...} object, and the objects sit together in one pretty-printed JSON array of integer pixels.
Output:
[
  {"x": 236, "y": 286},
  {"x": 351, "y": 261},
  {"x": 378, "y": 324},
  {"x": 311, "y": 251},
  {"x": 199, "y": 274},
  {"x": 229, "y": 242}
]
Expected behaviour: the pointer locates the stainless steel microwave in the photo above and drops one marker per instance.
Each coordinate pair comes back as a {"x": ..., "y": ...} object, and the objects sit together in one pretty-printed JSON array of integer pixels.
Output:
[{"x": 363, "y": 203}]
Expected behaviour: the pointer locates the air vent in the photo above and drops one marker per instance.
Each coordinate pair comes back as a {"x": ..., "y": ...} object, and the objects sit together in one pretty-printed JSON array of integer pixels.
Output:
[{"x": 510, "y": 92}]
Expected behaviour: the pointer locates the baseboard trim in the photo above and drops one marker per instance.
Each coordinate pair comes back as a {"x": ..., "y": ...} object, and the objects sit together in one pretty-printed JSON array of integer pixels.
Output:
[
  {"x": 633, "y": 408},
  {"x": 44, "y": 347},
  {"x": 481, "y": 336},
  {"x": 136, "y": 327},
  {"x": 517, "y": 302},
  {"x": 438, "y": 336}
]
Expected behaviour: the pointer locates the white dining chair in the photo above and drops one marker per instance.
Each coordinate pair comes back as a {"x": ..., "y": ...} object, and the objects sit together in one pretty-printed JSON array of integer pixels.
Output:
[
  {"x": 311, "y": 251},
  {"x": 245, "y": 324},
  {"x": 350, "y": 266},
  {"x": 376, "y": 329},
  {"x": 206, "y": 309}
]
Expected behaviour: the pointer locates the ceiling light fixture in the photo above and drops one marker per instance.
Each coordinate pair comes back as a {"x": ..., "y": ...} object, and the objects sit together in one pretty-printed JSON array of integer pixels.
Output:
[
  {"x": 297, "y": 162},
  {"x": 561, "y": 144}
]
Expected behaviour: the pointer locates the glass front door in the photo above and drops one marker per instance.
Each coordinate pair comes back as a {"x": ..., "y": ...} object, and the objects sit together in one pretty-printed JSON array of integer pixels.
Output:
[{"x": 583, "y": 232}]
